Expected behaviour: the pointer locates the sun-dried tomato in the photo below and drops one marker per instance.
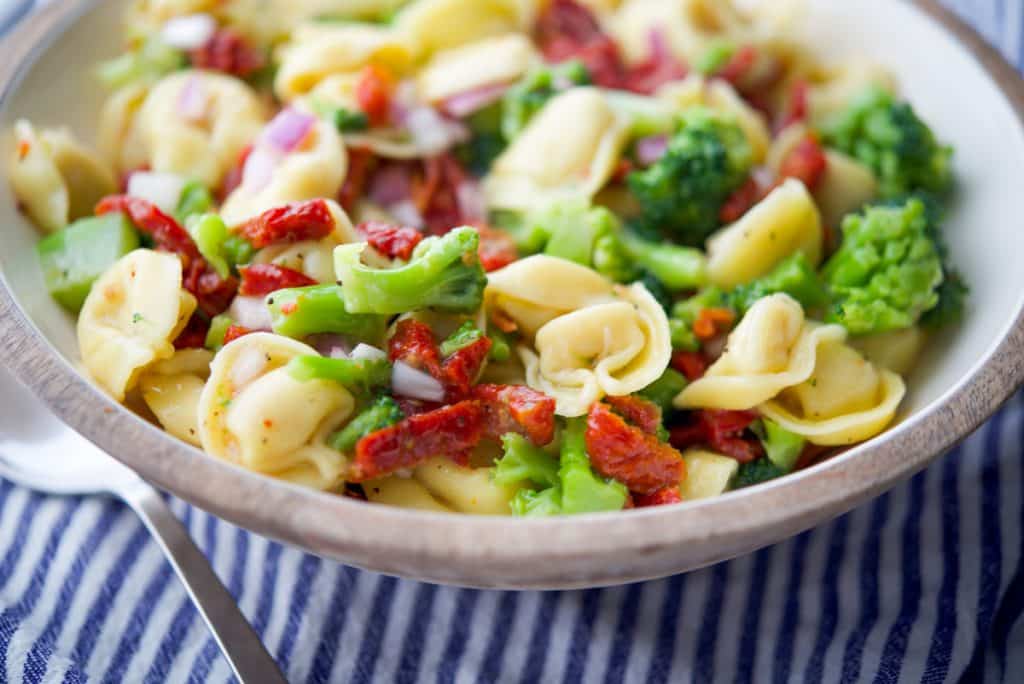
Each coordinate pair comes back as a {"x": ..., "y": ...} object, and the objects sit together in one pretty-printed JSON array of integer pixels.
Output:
[
  {"x": 739, "y": 66},
  {"x": 233, "y": 178},
  {"x": 414, "y": 407},
  {"x": 166, "y": 232},
  {"x": 798, "y": 107},
  {"x": 292, "y": 222},
  {"x": 711, "y": 322},
  {"x": 722, "y": 431},
  {"x": 229, "y": 52},
  {"x": 413, "y": 343},
  {"x": 691, "y": 364},
  {"x": 662, "y": 497},
  {"x": 517, "y": 408},
  {"x": 213, "y": 293},
  {"x": 262, "y": 279},
  {"x": 639, "y": 460},
  {"x": 660, "y": 67},
  {"x": 450, "y": 431},
  {"x": 373, "y": 91},
  {"x": 394, "y": 242},
  {"x": 637, "y": 411},
  {"x": 497, "y": 248},
  {"x": 194, "y": 334},
  {"x": 741, "y": 201},
  {"x": 360, "y": 165},
  {"x": 806, "y": 162},
  {"x": 460, "y": 370},
  {"x": 568, "y": 30},
  {"x": 435, "y": 193},
  {"x": 234, "y": 332}
]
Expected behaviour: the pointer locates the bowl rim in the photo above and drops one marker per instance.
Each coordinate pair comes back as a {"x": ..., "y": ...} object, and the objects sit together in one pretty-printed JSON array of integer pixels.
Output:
[{"x": 491, "y": 550}]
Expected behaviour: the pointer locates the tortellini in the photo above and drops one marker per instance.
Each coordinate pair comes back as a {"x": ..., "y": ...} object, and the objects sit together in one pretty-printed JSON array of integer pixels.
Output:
[
  {"x": 466, "y": 490},
  {"x": 252, "y": 412},
  {"x": 172, "y": 388},
  {"x": 785, "y": 222},
  {"x": 493, "y": 61},
  {"x": 569, "y": 150},
  {"x": 120, "y": 140},
  {"x": 316, "y": 169},
  {"x": 404, "y": 492},
  {"x": 321, "y": 50},
  {"x": 834, "y": 88},
  {"x": 314, "y": 258},
  {"x": 846, "y": 400},
  {"x": 434, "y": 25},
  {"x": 772, "y": 348},
  {"x": 54, "y": 178},
  {"x": 131, "y": 318},
  {"x": 719, "y": 96},
  {"x": 203, "y": 138},
  {"x": 896, "y": 350}
]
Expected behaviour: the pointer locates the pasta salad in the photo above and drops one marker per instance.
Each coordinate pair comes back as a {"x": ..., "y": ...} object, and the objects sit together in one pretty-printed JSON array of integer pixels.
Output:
[{"x": 530, "y": 257}]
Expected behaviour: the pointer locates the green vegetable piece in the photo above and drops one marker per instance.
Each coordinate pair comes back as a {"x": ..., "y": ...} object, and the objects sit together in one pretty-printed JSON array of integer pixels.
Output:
[
  {"x": 756, "y": 472},
  {"x": 795, "y": 276},
  {"x": 666, "y": 388},
  {"x": 444, "y": 274},
  {"x": 685, "y": 313},
  {"x": 302, "y": 311},
  {"x": 195, "y": 199},
  {"x": 715, "y": 56},
  {"x": 677, "y": 268},
  {"x": 647, "y": 115},
  {"x": 501, "y": 346},
  {"x": 888, "y": 137},
  {"x": 529, "y": 235},
  {"x": 486, "y": 142},
  {"x": 74, "y": 258},
  {"x": 383, "y": 412},
  {"x": 523, "y": 462},
  {"x": 148, "y": 64},
  {"x": 573, "y": 228},
  {"x": 782, "y": 447},
  {"x": 237, "y": 250},
  {"x": 682, "y": 335},
  {"x": 359, "y": 376},
  {"x": 465, "y": 335},
  {"x": 582, "y": 490},
  {"x": 613, "y": 261},
  {"x": 345, "y": 120},
  {"x": 528, "y": 503},
  {"x": 887, "y": 272},
  {"x": 526, "y": 98},
  {"x": 218, "y": 329},
  {"x": 209, "y": 232},
  {"x": 952, "y": 300},
  {"x": 683, "y": 192}
]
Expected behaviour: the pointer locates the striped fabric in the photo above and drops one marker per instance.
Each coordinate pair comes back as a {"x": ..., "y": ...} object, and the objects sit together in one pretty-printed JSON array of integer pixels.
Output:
[{"x": 925, "y": 584}]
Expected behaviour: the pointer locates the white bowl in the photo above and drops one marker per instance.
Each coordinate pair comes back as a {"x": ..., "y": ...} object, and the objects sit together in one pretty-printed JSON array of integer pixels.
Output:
[{"x": 959, "y": 84}]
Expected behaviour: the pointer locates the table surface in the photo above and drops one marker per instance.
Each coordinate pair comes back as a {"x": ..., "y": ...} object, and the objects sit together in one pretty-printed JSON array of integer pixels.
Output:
[{"x": 924, "y": 584}]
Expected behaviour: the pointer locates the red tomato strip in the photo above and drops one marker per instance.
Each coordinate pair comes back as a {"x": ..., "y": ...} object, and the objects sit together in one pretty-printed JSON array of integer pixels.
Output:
[
  {"x": 805, "y": 162},
  {"x": 292, "y": 222},
  {"x": 166, "y": 232},
  {"x": 722, "y": 431},
  {"x": 497, "y": 248},
  {"x": 233, "y": 178},
  {"x": 435, "y": 193},
  {"x": 516, "y": 408},
  {"x": 451, "y": 431},
  {"x": 460, "y": 370},
  {"x": 262, "y": 279},
  {"x": 568, "y": 30},
  {"x": 637, "y": 411},
  {"x": 640, "y": 460},
  {"x": 413, "y": 343},
  {"x": 394, "y": 242},
  {"x": 662, "y": 497},
  {"x": 229, "y": 52},
  {"x": 691, "y": 364},
  {"x": 213, "y": 293},
  {"x": 798, "y": 108},
  {"x": 373, "y": 91},
  {"x": 234, "y": 332},
  {"x": 741, "y": 201},
  {"x": 194, "y": 334},
  {"x": 360, "y": 164}
]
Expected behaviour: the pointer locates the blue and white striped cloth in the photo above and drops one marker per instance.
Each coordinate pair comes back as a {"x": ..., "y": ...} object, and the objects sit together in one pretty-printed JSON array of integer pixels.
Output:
[{"x": 924, "y": 584}]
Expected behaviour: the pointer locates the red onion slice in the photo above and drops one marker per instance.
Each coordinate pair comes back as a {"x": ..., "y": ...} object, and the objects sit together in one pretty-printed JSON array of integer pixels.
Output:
[
  {"x": 194, "y": 100},
  {"x": 366, "y": 352},
  {"x": 259, "y": 167},
  {"x": 471, "y": 101},
  {"x": 251, "y": 312},
  {"x": 651, "y": 149},
  {"x": 391, "y": 184},
  {"x": 406, "y": 213},
  {"x": 432, "y": 133},
  {"x": 406, "y": 381},
  {"x": 472, "y": 202},
  {"x": 288, "y": 129}
]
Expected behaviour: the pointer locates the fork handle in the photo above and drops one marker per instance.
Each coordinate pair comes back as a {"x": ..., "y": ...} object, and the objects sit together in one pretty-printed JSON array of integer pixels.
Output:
[{"x": 238, "y": 642}]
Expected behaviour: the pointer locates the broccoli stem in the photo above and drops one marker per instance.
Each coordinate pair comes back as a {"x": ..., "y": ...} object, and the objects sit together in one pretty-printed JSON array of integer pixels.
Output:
[
  {"x": 384, "y": 412},
  {"x": 582, "y": 490},
  {"x": 360, "y": 376},
  {"x": 302, "y": 311},
  {"x": 678, "y": 268}
]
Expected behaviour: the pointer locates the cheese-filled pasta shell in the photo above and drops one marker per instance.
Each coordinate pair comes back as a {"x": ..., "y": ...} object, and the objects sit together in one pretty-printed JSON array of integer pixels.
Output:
[
  {"x": 316, "y": 169},
  {"x": 896, "y": 350},
  {"x": 771, "y": 349},
  {"x": 434, "y": 25},
  {"x": 846, "y": 400},
  {"x": 207, "y": 142},
  {"x": 538, "y": 289},
  {"x": 319, "y": 50},
  {"x": 833, "y": 88},
  {"x": 403, "y": 492},
  {"x": 492, "y": 61},
  {"x": 719, "y": 96},
  {"x": 466, "y": 490},
  {"x": 254, "y": 413},
  {"x": 119, "y": 138},
  {"x": 785, "y": 222},
  {"x": 131, "y": 317},
  {"x": 55, "y": 178},
  {"x": 687, "y": 26},
  {"x": 314, "y": 258},
  {"x": 613, "y": 348},
  {"x": 569, "y": 150},
  {"x": 171, "y": 389}
]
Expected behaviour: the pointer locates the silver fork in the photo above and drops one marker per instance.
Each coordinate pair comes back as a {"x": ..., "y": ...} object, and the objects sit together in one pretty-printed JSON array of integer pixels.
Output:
[{"x": 40, "y": 452}]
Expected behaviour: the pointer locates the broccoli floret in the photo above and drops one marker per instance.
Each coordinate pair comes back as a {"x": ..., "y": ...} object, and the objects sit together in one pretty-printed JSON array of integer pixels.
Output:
[
  {"x": 153, "y": 60},
  {"x": 682, "y": 193},
  {"x": 888, "y": 137},
  {"x": 952, "y": 300},
  {"x": 579, "y": 489},
  {"x": 676, "y": 268},
  {"x": 666, "y": 388},
  {"x": 486, "y": 142},
  {"x": 359, "y": 376},
  {"x": 523, "y": 462},
  {"x": 781, "y": 446},
  {"x": 465, "y": 335},
  {"x": 384, "y": 412},
  {"x": 444, "y": 274},
  {"x": 529, "y": 96},
  {"x": 686, "y": 312},
  {"x": 795, "y": 276},
  {"x": 756, "y": 472},
  {"x": 888, "y": 271}
]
